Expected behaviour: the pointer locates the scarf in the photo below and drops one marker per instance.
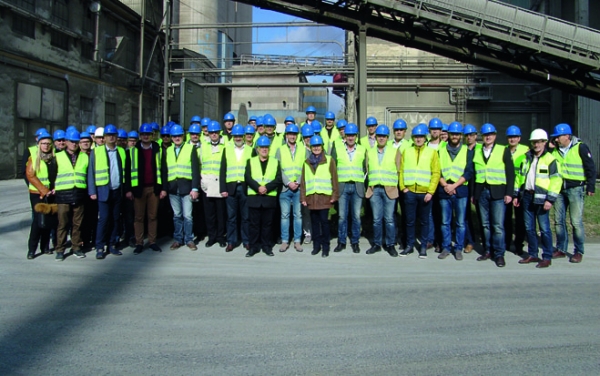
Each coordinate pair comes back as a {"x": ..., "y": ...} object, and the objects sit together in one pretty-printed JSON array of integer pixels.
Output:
[{"x": 314, "y": 160}]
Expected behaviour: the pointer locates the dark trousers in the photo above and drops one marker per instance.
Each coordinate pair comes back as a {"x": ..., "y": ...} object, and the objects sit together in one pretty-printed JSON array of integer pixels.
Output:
[
  {"x": 516, "y": 227},
  {"x": 165, "y": 218},
  {"x": 237, "y": 213},
  {"x": 416, "y": 207},
  {"x": 400, "y": 220},
  {"x": 320, "y": 229},
  {"x": 108, "y": 220},
  {"x": 127, "y": 218},
  {"x": 37, "y": 235},
  {"x": 260, "y": 228},
  {"x": 90, "y": 222},
  {"x": 69, "y": 218},
  {"x": 214, "y": 213}
]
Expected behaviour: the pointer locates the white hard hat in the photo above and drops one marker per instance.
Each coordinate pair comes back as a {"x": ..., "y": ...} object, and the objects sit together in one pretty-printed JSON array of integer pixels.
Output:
[
  {"x": 99, "y": 132},
  {"x": 538, "y": 134}
]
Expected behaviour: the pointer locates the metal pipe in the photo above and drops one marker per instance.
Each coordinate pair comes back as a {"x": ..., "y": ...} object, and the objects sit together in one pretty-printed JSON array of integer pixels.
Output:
[
  {"x": 246, "y": 25},
  {"x": 141, "y": 62},
  {"x": 167, "y": 56},
  {"x": 97, "y": 37}
]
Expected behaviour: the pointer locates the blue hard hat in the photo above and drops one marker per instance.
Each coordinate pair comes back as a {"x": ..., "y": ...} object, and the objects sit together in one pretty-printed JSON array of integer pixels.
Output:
[
  {"x": 176, "y": 130},
  {"x": 488, "y": 128},
  {"x": 40, "y": 131},
  {"x": 155, "y": 126},
  {"x": 513, "y": 131},
  {"x": 316, "y": 126},
  {"x": 204, "y": 122},
  {"x": 444, "y": 127},
  {"x": 420, "y": 130},
  {"x": 73, "y": 135},
  {"x": 121, "y": 133},
  {"x": 342, "y": 123},
  {"x": 229, "y": 117},
  {"x": 382, "y": 130},
  {"x": 292, "y": 128},
  {"x": 351, "y": 129},
  {"x": 86, "y": 135},
  {"x": 265, "y": 116},
  {"x": 469, "y": 129},
  {"x": 259, "y": 120},
  {"x": 59, "y": 134},
  {"x": 252, "y": 118},
  {"x": 316, "y": 140},
  {"x": 133, "y": 134},
  {"x": 435, "y": 123},
  {"x": 44, "y": 135},
  {"x": 170, "y": 124},
  {"x": 371, "y": 121},
  {"x": 562, "y": 129},
  {"x": 307, "y": 130},
  {"x": 269, "y": 121},
  {"x": 214, "y": 126},
  {"x": 195, "y": 119},
  {"x": 165, "y": 130},
  {"x": 91, "y": 129},
  {"x": 329, "y": 115},
  {"x": 194, "y": 128},
  {"x": 146, "y": 128},
  {"x": 311, "y": 109},
  {"x": 399, "y": 124},
  {"x": 290, "y": 118},
  {"x": 71, "y": 128},
  {"x": 237, "y": 130},
  {"x": 249, "y": 129},
  {"x": 263, "y": 142},
  {"x": 110, "y": 129},
  {"x": 455, "y": 127}
]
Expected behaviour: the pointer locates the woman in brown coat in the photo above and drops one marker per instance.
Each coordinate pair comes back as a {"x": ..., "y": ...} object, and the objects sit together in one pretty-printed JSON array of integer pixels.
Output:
[{"x": 318, "y": 191}]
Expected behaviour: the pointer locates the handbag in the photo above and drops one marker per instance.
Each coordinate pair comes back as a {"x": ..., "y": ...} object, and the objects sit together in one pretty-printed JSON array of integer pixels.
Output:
[{"x": 45, "y": 214}]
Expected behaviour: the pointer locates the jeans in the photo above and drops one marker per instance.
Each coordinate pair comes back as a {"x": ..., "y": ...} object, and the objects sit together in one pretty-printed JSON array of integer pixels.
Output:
[
  {"x": 531, "y": 212},
  {"x": 415, "y": 205},
  {"x": 237, "y": 204},
  {"x": 288, "y": 201},
  {"x": 182, "y": 218},
  {"x": 109, "y": 214},
  {"x": 519, "y": 227},
  {"x": 458, "y": 207},
  {"x": 571, "y": 199},
  {"x": 383, "y": 209},
  {"x": 349, "y": 199},
  {"x": 492, "y": 219}
]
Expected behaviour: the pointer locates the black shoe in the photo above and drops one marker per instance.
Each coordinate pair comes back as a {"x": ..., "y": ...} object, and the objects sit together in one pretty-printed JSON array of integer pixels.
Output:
[
  {"x": 392, "y": 251},
  {"x": 132, "y": 243},
  {"x": 100, "y": 255},
  {"x": 325, "y": 253},
  {"x": 60, "y": 256},
  {"x": 373, "y": 249},
  {"x": 269, "y": 252},
  {"x": 115, "y": 252},
  {"x": 500, "y": 262},
  {"x": 47, "y": 252},
  {"x": 423, "y": 253},
  {"x": 78, "y": 254},
  {"x": 250, "y": 253},
  {"x": 210, "y": 243},
  {"x": 222, "y": 244},
  {"x": 355, "y": 248},
  {"x": 340, "y": 247},
  {"x": 138, "y": 249},
  {"x": 315, "y": 251},
  {"x": 30, "y": 255},
  {"x": 279, "y": 241},
  {"x": 155, "y": 247},
  {"x": 407, "y": 251}
]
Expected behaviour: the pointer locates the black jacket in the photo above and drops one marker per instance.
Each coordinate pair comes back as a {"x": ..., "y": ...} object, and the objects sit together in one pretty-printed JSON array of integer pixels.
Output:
[
  {"x": 230, "y": 187},
  {"x": 73, "y": 195},
  {"x": 264, "y": 201},
  {"x": 499, "y": 191},
  {"x": 137, "y": 191}
]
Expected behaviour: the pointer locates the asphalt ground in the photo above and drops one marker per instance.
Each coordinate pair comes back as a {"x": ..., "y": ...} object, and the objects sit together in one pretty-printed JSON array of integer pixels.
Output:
[{"x": 216, "y": 313}]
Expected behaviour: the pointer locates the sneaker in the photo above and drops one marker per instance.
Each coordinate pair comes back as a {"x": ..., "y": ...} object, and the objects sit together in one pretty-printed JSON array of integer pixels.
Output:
[
  {"x": 78, "y": 253},
  {"x": 423, "y": 253},
  {"x": 138, "y": 249},
  {"x": 284, "y": 247},
  {"x": 407, "y": 251},
  {"x": 445, "y": 253},
  {"x": 298, "y": 247},
  {"x": 392, "y": 251},
  {"x": 60, "y": 256},
  {"x": 192, "y": 246},
  {"x": 155, "y": 247},
  {"x": 307, "y": 238},
  {"x": 458, "y": 255}
]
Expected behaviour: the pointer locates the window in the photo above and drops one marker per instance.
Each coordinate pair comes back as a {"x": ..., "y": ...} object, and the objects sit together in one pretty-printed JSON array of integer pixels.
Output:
[
  {"x": 60, "y": 12},
  {"x": 86, "y": 108},
  {"x": 60, "y": 40},
  {"x": 110, "y": 113},
  {"x": 24, "y": 4},
  {"x": 23, "y": 26},
  {"x": 88, "y": 22},
  {"x": 87, "y": 50},
  {"x": 135, "y": 119}
]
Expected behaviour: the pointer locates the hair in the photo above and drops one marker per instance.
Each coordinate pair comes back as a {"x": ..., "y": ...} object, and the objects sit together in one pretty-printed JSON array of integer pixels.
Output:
[{"x": 38, "y": 157}]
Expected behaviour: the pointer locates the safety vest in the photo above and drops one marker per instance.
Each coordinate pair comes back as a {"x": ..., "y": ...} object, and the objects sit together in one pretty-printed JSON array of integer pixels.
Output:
[
  {"x": 180, "y": 167},
  {"x": 33, "y": 151},
  {"x": 452, "y": 170},
  {"x": 571, "y": 165},
  {"x": 211, "y": 162},
  {"x": 134, "y": 155},
  {"x": 493, "y": 172},
  {"x": 364, "y": 141},
  {"x": 547, "y": 177},
  {"x": 292, "y": 168},
  {"x": 276, "y": 143},
  {"x": 351, "y": 170},
  {"x": 236, "y": 168},
  {"x": 319, "y": 182},
  {"x": 69, "y": 177},
  {"x": 256, "y": 174},
  {"x": 517, "y": 156},
  {"x": 417, "y": 169},
  {"x": 42, "y": 174},
  {"x": 328, "y": 141},
  {"x": 386, "y": 172},
  {"x": 102, "y": 171},
  {"x": 403, "y": 145}
]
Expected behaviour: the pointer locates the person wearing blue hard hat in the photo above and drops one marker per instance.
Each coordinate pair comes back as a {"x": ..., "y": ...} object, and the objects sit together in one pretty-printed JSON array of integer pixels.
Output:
[
  {"x": 195, "y": 120},
  {"x": 341, "y": 128},
  {"x": 369, "y": 140},
  {"x": 60, "y": 140},
  {"x": 122, "y": 138},
  {"x": 456, "y": 164},
  {"x": 228, "y": 122},
  {"x": 249, "y": 132},
  {"x": 30, "y": 151},
  {"x": 289, "y": 120},
  {"x": 194, "y": 134},
  {"x": 330, "y": 133},
  {"x": 263, "y": 179},
  {"x": 85, "y": 142},
  {"x": 470, "y": 135},
  {"x": 231, "y": 181},
  {"x": 494, "y": 189},
  {"x": 318, "y": 193},
  {"x": 307, "y": 132},
  {"x": 399, "y": 142},
  {"x": 132, "y": 139},
  {"x": 435, "y": 133},
  {"x": 316, "y": 127},
  {"x": 276, "y": 141},
  {"x": 311, "y": 113},
  {"x": 579, "y": 178},
  {"x": 165, "y": 140},
  {"x": 444, "y": 134},
  {"x": 91, "y": 129},
  {"x": 418, "y": 180},
  {"x": 252, "y": 121},
  {"x": 291, "y": 156}
]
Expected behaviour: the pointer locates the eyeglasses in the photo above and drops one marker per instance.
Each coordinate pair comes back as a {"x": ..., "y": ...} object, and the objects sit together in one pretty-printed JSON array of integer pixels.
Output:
[{"x": 45, "y": 143}]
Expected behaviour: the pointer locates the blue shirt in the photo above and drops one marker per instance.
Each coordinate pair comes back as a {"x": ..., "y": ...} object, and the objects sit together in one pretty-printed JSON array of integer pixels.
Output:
[{"x": 113, "y": 161}]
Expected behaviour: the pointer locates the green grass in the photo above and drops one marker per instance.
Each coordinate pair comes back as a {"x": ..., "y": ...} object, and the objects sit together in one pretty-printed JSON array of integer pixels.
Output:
[{"x": 591, "y": 214}]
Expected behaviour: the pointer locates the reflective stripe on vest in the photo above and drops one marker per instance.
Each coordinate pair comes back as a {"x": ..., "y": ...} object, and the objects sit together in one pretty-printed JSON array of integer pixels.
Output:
[
  {"x": 42, "y": 175},
  {"x": 351, "y": 170},
  {"x": 101, "y": 165},
  {"x": 211, "y": 162},
  {"x": 328, "y": 141},
  {"x": 386, "y": 172},
  {"x": 256, "y": 174},
  {"x": 180, "y": 167},
  {"x": 571, "y": 166},
  {"x": 417, "y": 169},
  {"x": 321, "y": 181},
  {"x": 134, "y": 155},
  {"x": 292, "y": 168},
  {"x": 493, "y": 172},
  {"x": 452, "y": 170},
  {"x": 547, "y": 183},
  {"x": 518, "y": 155},
  {"x": 236, "y": 168},
  {"x": 69, "y": 177}
]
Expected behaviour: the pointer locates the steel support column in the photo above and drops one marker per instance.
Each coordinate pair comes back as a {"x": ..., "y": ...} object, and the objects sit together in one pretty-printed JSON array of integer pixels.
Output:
[
  {"x": 360, "y": 69},
  {"x": 166, "y": 77}
]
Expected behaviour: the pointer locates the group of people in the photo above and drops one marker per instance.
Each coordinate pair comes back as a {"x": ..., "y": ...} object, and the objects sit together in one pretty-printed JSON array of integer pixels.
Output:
[{"x": 249, "y": 186}]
